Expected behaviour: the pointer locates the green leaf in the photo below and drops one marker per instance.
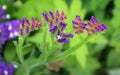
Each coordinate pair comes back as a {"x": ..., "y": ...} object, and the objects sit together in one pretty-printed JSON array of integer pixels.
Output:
[
  {"x": 28, "y": 49},
  {"x": 75, "y": 9},
  {"x": 92, "y": 64},
  {"x": 113, "y": 55},
  {"x": 61, "y": 5},
  {"x": 100, "y": 39},
  {"x": 22, "y": 71},
  {"x": 69, "y": 51},
  {"x": 37, "y": 38},
  {"x": 34, "y": 8},
  {"x": 10, "y": 51},
  {"x": 116, "y": 11},
  {"x": 81, "y": 55},
  {"x": 94, "y": 5}
]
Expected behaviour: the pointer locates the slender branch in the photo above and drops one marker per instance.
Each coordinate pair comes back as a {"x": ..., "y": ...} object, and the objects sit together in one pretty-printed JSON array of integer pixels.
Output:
[{"x": 69, "y": 51}]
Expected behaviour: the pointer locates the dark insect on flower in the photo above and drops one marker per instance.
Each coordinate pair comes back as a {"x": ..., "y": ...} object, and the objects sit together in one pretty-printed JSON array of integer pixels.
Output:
[
  {"x": 57, "y": 25},
  {"x": 9, "y": 30},
  {"x": 94, "y": 26},
  {"x": 6, "y": 69},
  {"x": 29, "y": 26},
  {"x": 78, "y": 25}
]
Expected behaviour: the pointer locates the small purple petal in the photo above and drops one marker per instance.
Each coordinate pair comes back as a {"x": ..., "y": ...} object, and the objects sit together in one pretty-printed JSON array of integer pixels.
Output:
[
  {"x": 51, "y": 24},
  {"x": 74, "y": 22},
  {"x": 57, "y": 13},
  {"x": 51, "y": 14},
  {"x": 94, "y": 20},
  {"x": 45, "y": 17},
  {"x": 63, "y": 40},
  {"x": 69, "y": 35},
  {"x": 78, "y": 17},
  {"x": 89, "y": 23},
  {"x": 104, "y": 26},
  {"x": 63, "y": 25},
  {"x": 32, "y": 27},
  {"x": 27, "y": 29},
  {"x": 52, "y": 30},
  {"x": 21, "y": 31}
]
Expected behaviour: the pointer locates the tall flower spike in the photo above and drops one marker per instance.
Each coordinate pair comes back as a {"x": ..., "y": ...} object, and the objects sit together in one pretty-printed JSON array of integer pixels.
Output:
[
  {"x": 94, "y": 26},
  {"x": 57, "y": 25},
  {"x": 78, "y": 25},
  {"x": 28, "y": 26}
]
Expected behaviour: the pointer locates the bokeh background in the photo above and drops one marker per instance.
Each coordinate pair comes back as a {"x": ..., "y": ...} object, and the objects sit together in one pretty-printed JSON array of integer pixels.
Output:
[{"x": 100, "y": 56}]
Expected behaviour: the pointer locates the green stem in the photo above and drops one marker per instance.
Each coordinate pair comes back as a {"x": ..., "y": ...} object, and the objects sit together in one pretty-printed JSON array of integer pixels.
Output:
[
  {"x": 19, "y": 50},
  {"x": 69, "y": 51}
]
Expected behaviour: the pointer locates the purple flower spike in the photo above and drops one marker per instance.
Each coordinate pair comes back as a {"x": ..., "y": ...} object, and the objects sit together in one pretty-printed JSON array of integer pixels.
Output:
[
  {"x": 28, "y": 26},
  {"x": 78, "y": 25},
  {"x": 94, "y": 26},
  {"x": 6, "y": 69},
  {"x": 57, "y": 25}
]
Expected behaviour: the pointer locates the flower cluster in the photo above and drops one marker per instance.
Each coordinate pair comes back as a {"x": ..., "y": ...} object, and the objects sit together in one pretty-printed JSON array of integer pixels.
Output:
[
  {"x": 57, "y": 25},
  {"x": 9, "y": 30},
  {"x": 78, "y": 25},
  {"x": 6, "y": 69},
  {"x": 29, "y": 26},
  {"x": 93, "y": 26}
]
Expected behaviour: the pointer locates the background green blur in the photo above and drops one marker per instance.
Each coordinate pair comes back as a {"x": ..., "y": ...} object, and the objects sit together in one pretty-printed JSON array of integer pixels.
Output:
[{"x": 100, "y": 56}]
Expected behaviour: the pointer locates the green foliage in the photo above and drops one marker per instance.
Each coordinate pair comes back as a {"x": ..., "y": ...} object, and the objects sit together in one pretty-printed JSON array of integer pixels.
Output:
[
  {"x": 34, "y": 8},
  {"x": 9, "y": 52},
  {"x": 81, "y": 55},
  {"x": 113, "y": 55},
  {"x": 84, "y": 55}
]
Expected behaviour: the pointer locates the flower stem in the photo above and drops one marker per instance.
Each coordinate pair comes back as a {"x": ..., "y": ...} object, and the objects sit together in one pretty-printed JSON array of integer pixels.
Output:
[
  {"x": 19, "y": 50},
  {"x": 69, "y": 51}
]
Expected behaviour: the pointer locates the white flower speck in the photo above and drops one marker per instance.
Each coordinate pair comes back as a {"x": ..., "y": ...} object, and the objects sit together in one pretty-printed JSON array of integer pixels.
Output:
[
  {"x": 8, "y": 16},
  {"x": 11, "y": 35},
  {"x": 15, "y": 33},
  {"x": 10, "y": 27},
  {"x": 4, "y": 7},
  {"x": 5, "y": 72},
  {"x": 59, "y": 37},
  {"x": 15, "y": 66}
]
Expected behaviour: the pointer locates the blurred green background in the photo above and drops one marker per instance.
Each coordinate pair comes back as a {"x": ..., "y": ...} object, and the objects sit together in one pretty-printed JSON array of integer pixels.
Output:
[{"x": 100, "y": 56}]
